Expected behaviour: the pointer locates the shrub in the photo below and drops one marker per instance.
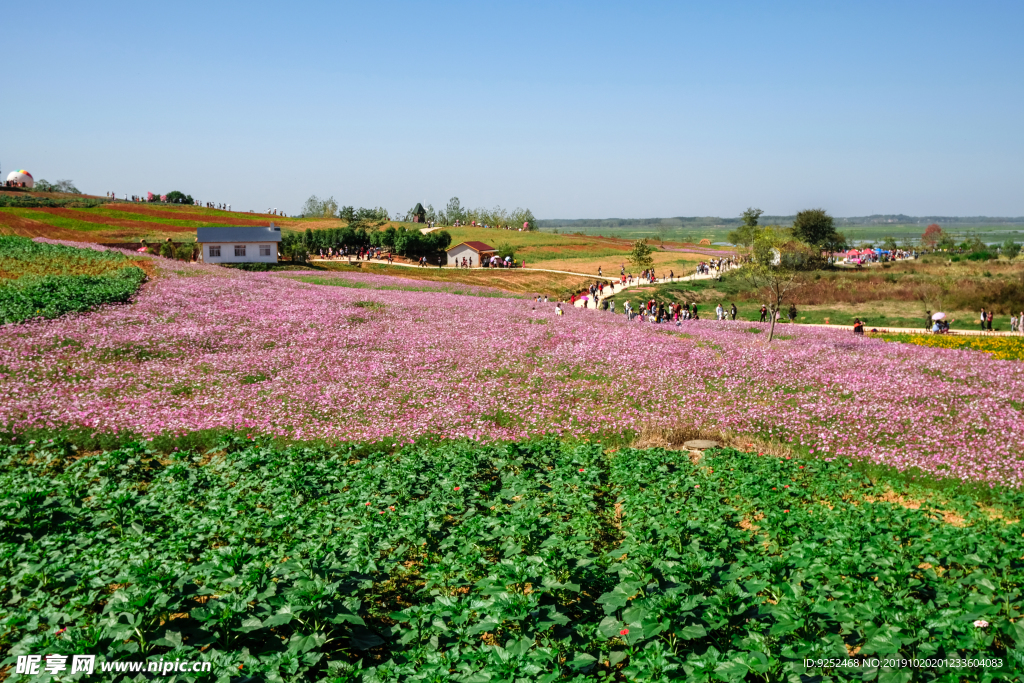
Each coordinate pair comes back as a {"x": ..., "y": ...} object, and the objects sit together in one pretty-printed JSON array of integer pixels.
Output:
[
  {"x": 54, "y": 295},
  {"x": 1010, "y": 249},
  {"x": 185, "y": 252},
  {"x": 176, "y": 197}
]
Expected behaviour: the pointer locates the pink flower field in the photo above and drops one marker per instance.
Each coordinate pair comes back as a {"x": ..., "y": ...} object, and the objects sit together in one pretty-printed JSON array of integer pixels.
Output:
[{"x": 207, "y": 347}]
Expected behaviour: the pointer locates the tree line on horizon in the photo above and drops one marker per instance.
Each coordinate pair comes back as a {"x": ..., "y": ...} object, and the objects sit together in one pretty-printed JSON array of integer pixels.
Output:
[{"x": 453, "y": 212}]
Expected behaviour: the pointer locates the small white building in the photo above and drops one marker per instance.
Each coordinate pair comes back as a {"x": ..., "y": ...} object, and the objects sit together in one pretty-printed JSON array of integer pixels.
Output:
[
  {"x": 473, "y": 252},
  {"x": 231, "y": 244}
]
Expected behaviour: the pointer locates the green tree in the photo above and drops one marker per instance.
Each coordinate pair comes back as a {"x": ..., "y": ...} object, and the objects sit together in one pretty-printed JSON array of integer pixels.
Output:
[
  {"x": 744, "y": 235},
  {"x": 521, "y": 216},
  {"x": 889, "y": 243},
  {"x": 454, "y": 210},
  {"x": 320, "y": 208},
  {"x": 776, "y": 269},
  {"x": 298, "y": 253},
  {"x": 1010, "y": 249},
  {"x": 751, "y": 216},
  {"x": 640, "y": 255},
  {"x": 66, "y": 186},
  {"x": 506, "y": 249},
  {"x": 312, "y": 206},
  {"x": 835, "y": 244},
  {"x": 185, "y": 252},
  {"x": 176, "y": 197},
  {"x": 973, "y": 243},
  {"x": 347, "y": 213},
  {"x": 440, "y": 240},
  {"x": 814, "y": 226}
]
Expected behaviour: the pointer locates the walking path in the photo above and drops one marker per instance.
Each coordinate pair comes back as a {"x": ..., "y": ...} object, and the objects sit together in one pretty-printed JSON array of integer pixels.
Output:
[
  {"x": 383, "y": 262},
  {"x": 616, "y": 288},
  {"x": 915, "y": 330},
  {"x": 637, "y": 282}
]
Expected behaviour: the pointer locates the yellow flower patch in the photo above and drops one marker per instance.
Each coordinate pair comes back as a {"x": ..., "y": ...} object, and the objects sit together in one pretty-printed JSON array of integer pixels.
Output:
[{"x": 1002, "y": 348}]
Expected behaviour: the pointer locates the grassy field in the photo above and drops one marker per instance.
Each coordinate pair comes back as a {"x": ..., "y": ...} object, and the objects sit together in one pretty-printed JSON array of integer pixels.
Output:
[
  {"x": 898, "y": 296},
  {"x": 574, "y": 253},
  {"x": 517, "y": 281}
]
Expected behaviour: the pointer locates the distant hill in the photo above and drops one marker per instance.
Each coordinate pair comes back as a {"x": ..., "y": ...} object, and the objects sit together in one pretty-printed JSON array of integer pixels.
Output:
[{"x": 697, "y": 222}]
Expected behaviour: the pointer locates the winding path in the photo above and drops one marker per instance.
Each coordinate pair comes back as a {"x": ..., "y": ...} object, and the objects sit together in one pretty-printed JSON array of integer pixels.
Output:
[{"x": 616, "y": 288}]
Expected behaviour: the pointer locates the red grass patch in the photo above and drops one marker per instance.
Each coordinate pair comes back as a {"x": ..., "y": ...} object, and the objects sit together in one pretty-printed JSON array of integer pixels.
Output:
[
  {"x": 86, "y": 217},
  {"x": 186, "y": 215},
  {"x": 11, "y": 224}
]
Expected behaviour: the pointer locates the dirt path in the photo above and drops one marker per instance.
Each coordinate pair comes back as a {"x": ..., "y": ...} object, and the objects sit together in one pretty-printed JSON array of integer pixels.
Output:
[
  {"x": 637, "y": 282},
  {"x": 616, "y": 287},
  {"x": 914, "y": 330}
]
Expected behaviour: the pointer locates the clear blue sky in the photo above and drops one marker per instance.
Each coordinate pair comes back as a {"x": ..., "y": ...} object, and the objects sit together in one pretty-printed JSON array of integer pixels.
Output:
[{"x": 631, "y": 109}]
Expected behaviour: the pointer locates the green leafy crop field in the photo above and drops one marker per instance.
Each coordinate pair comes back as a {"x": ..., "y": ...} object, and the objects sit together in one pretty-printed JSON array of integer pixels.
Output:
[
  {"x": 533, "y": 561},
  {"x": 48, "y": 280}
]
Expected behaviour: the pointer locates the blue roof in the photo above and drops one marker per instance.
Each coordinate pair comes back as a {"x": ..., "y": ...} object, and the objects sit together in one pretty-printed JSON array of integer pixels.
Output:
[{"x": 232, "y": 233}]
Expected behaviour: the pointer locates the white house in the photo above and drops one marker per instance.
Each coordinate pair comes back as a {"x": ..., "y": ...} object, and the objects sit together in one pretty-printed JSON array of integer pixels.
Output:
[
  {"x": 473, "y": 252},
  {"x": 232, "y": 244}
]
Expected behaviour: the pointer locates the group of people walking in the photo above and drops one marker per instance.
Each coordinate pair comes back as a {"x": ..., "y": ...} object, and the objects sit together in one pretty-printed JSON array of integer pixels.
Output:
[
  {"x": 714, "y": 266},
  {"x": 595, "y": 292},
  {"x": 657, "y": 312},
  {"x": 332, "y": 254},
  {"x": 1016, "y": 320},
  {"x": 141, "y": 199}
]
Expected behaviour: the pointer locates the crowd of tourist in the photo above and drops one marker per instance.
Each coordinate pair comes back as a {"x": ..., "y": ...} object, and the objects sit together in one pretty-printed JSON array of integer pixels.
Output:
[
  {"x": 862, "y": 256},
  {"x": 136, "y": 198},
  {"x": 357, "y": 253},
  {"x": 496, "y": 261},
  {"x": 715, "y": 267}
]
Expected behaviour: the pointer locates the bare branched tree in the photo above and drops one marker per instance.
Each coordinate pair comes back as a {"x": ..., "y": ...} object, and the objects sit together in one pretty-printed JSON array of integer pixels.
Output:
[{"x": 776, "y": 269}]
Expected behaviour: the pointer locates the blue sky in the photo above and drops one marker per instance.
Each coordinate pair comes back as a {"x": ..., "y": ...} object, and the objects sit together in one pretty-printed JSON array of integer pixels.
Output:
[{"x": 574, "y": 110}]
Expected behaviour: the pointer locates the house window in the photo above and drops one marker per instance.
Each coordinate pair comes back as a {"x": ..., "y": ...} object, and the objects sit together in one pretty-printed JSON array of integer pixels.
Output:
[
  {"x": 264, "y": 250},
  {"x": 215, "y": 251},
  {"x": 239, "y": 250}
]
